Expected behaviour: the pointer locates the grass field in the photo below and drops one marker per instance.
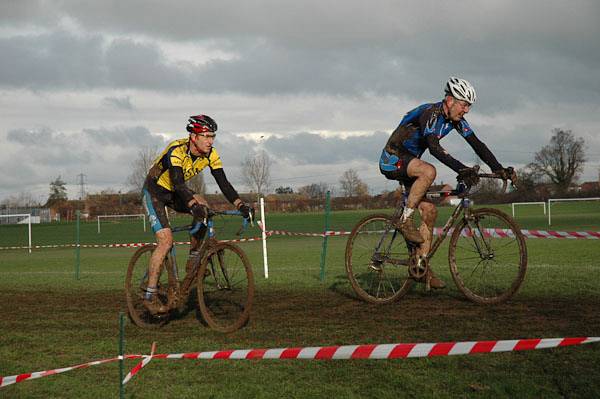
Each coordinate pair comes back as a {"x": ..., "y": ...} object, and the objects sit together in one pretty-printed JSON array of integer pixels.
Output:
[{"x": 51, "y": 320}]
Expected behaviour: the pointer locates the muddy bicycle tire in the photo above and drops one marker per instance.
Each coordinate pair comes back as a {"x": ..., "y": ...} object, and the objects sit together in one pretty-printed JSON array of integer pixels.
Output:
[
  {"x": 225, "y": 287},
  {"x": 493, "y": 274},
  {"x": 136, "y": 282},
  {"x": 382, "y": 281}
]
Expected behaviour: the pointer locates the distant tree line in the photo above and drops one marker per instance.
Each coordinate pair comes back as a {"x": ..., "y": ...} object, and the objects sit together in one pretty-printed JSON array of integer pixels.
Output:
[{"x": 555, "y": 169}]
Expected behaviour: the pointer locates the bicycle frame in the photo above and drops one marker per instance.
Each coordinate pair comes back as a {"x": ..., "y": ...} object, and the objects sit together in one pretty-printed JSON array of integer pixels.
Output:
[
  {"x": 203, "y": 246},
  {"x": 464, "y": 207}
]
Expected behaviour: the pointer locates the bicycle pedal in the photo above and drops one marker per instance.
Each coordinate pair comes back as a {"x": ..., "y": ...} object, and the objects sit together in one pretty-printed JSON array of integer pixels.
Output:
[{"x": 376, "y": 268}]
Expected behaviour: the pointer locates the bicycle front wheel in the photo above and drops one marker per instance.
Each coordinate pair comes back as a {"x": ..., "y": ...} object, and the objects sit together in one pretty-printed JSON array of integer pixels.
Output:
[
  {"x": 488, "y": 256},
  {"x": 225, "y": 287},
  {"x": 377, "y": 259},
  {"x": 136, "y": 283}
]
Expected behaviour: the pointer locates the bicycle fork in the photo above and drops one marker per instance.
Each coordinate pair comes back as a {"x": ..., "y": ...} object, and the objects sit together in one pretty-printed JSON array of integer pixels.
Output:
[{"x": 477, "y": 233}]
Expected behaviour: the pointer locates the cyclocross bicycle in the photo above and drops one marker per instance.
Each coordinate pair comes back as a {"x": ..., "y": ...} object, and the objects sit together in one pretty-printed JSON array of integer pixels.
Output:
[
  {"x": 222, "y": 273},
  {"x": 487, "y": 253}
]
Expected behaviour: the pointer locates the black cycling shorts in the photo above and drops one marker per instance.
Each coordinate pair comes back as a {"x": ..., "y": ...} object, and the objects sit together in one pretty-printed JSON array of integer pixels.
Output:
[
  {"x": 156, "y": 200},
  {"x": 395, "y": 167}
]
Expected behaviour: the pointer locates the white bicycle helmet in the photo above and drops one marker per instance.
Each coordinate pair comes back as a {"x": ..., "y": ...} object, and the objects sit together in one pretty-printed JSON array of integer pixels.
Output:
[{"x": 461, "y": 89}]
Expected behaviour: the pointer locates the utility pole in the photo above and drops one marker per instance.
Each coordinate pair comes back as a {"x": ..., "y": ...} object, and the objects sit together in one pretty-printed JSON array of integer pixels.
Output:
[{"x": 81, "y": 182}]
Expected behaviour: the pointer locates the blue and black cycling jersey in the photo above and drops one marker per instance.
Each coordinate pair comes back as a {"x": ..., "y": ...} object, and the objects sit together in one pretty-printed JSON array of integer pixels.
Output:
[{"x": 423, "y": 127}]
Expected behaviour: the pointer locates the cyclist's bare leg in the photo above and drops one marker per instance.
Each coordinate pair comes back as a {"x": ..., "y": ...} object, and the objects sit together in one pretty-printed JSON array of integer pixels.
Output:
[
  {"x": 423, "y": 175},
  {"x": 428, "y": 213},
  {"x": 164, "y": 241}
]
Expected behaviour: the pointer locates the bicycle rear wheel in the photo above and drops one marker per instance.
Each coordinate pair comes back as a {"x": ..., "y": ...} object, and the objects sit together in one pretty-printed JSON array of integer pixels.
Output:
[
  {"x": 377, "y": 259},
  {"x": 225, "y": 287},
  {"x": 488, "y": 256},
  {"x": 135, "y": 288}
]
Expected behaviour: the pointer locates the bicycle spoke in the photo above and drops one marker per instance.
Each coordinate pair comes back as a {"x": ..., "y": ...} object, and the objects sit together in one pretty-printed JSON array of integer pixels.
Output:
[
  {"x": 225, "y": 295},
  {"x": 497, "y": 270},
  {"x": 374, "y": 261},
  {"x": 136, "y": 283}
]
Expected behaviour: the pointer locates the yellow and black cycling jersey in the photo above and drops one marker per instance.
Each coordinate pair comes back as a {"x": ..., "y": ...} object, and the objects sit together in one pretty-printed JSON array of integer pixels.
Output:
[
  {"x": 176, "y": 165},
  {"x": 178, "y": 154}
]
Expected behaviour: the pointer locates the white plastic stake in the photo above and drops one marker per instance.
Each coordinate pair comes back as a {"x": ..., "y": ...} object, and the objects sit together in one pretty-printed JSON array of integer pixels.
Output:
[{"x": 264, "y": 236}]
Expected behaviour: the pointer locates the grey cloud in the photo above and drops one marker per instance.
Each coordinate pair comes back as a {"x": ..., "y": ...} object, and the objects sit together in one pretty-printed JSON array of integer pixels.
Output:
[
  {"x": 104, "y": 155},
  {"x": 48, "y": 148},
  {"x": 308, "y": 148},
  {"x": 123, "y": 103},
  {"x": 387, "y": 55},
  {"x": 56, "y": 60},
  {"x": 123, "y": 137}
]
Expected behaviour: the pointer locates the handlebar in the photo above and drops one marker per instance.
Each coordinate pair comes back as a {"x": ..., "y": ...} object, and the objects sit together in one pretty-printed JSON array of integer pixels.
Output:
[
  {"x": 198, "y": 224},
  {"x": 497, "y": 176},
  {"x": 462, "y": 189}
]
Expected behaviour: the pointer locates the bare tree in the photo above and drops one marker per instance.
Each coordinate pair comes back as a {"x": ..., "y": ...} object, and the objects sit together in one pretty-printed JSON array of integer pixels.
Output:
[
  {"x": 284, "y": 190},
  {"x": 140, "y": 167},
  {"x": 315, "y": 190},
  {"x": 562, "y": 160},
  {"x": 22, "y": 200},
  {"x": 256, "y": 172},
  {"x": 352, "y": 185}
]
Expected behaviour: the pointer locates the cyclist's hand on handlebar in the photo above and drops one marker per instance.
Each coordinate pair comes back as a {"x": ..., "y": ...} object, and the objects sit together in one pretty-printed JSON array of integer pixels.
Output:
[
  {"x": 246, "y": 211},
  {"x": 200, "y": 212},
  {"x": 506, "y": 173},
  {"x": 468, "y": 176}
]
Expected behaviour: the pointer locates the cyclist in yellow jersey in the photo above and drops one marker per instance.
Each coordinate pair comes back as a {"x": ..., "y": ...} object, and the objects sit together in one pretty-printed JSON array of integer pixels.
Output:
[{"x": 165, "y": 187}]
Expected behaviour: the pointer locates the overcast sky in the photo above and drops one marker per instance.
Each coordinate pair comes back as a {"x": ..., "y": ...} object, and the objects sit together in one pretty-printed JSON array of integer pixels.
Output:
[{"x": 85, "y": 85}]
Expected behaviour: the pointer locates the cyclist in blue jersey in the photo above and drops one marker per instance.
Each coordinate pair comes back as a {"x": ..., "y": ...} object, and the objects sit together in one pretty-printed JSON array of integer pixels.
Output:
[{"x": 422, "y": 129}]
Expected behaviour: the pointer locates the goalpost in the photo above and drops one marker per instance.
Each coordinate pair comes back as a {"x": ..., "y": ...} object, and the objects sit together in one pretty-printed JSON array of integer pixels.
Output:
[
  {"x": 139, "y": 215},
  {"x": 551, "y": 200},
  {"x": 527, "y": 203},
  {"x": 20, "y": 219}
]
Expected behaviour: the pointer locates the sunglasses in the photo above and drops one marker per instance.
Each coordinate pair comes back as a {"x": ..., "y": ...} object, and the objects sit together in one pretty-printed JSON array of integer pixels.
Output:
[{"x": 206, "y": 134}]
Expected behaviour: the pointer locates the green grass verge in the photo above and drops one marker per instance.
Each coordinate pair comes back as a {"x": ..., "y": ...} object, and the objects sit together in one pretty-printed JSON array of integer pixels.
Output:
[{"x": 51, "y": 320}]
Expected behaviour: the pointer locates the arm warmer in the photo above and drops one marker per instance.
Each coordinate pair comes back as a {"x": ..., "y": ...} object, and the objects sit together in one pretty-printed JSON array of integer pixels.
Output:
[
  {"x": 433, "y": 143},
  {"x": 226, "y": 187},
  {"x": 183, "y": 191},
  {"x": 483, "y": 152}
]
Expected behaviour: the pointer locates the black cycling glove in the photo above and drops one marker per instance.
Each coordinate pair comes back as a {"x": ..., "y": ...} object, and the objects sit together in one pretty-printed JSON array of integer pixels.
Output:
[
  {"x": 200, "y": 212},
  {"x": 468, "y": 176},
  {"x": 246, "y": 211},
  {"x": 506, "y": 173}
]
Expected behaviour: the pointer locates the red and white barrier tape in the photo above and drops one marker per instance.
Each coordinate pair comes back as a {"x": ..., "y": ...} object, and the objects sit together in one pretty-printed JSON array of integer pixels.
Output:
[
  {"x": 500, "y": 233},
  {"x": 140, "y": 365},
  {"x": 345, "y": 352},
  {"x": 122, "y": 245},
  {"x": 385, "y": 351},
  {"x": 13, "y": 379}
]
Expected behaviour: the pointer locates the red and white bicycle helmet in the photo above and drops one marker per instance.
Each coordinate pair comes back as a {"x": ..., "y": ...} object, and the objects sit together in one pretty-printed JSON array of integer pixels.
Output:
[{"x": 201, "y": 124}]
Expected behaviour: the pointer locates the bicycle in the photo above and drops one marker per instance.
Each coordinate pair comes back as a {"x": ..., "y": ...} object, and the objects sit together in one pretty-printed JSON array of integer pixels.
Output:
[
  {"x": 221, "y": 271},
  {"x": 487, "y": 253}
]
